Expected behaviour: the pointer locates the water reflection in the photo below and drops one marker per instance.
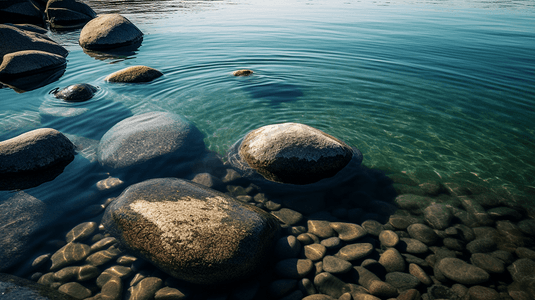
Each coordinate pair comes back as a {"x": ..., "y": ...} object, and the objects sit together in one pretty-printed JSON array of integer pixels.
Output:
[{"x": 34, "y": 81}]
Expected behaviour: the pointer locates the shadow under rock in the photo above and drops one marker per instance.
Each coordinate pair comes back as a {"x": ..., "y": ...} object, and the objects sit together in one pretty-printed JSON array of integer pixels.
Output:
[{"x": 34, "y": 81}]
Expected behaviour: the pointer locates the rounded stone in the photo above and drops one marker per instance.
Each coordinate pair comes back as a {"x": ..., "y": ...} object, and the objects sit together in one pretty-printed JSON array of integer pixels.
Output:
[
  {"x": 487, "y": 263},
  {"x": 402, "y": 281},
  {"x": 483, "y": 245},
  {"x": 438, "y": 215},
  {"x": 315, "y": 252},
  {"x": 113, "y": 288},
  {"x": 103, "y": 243},
  {"x": 288, "y": 216},
  {"x": 77, "y": 92},
  {"x": 134, "y": 74},
  {"x": 348, "y": 232},
  {"x": 81, "y": 232},
  {"x": 372, "y": 227},
  {"x": 392, "y": 261},
  {"x": 294, "y": 153},
  {"x": 75, "y": 290},
  {"x": 146, "y": 288},
  {"x": 109, "y": 31},
  {"x": 34, "y": 150},
  {"x": 336, "y": 265},
  {"x": 29, "y": 62},
  {"x": 522, "y": 270},
  {"x": 483, "y": 293},
  {"x": 355, "y": 251},
  {"x": 412, "y": 246},
  {"x": 68, "y": 14},
  {"x": 294, "y": 268},
  {"x": 191, "y": 232},
  {"x": 243, "y": 72},
  {"x": 22, "y": 40},
  {"x": 332, "y": 243},
  {"x": 388, "y": 238},
  {"x": 287, "y": 247},
  {"x": 419, "y": 273},
  {"x": 13, "y": 287},
  {"x": 423, "y": 233},
  {"x": 69, "y": 254},
  {"x": 320, "y": 228},
  {"x": 462, "y": 272},
  {"x": 328, "y": 284},
  {"x": 140, "y": 138}
]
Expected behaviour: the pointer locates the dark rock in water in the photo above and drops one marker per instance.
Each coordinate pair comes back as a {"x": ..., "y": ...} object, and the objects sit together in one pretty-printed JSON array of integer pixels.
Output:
[
  {"x": 484, "y": 245},
  {"x": 109, "y": 31},
  {"x": 328, "y": 284},
  {"x": 22, "y": 40},
  {"x": 76, "y": 92},
  {"x": 437, "y": 292},
  {"x": 402, "y": 281},
  {"x": 487, "y": 263},
  {"x": 28, "y": 62},
  {"x": 16, "y": 288},
  {"x": 522, "y": 270},
  {"x": 412, "y": 202},
  {"x": 35, "y": 150},
  {"x": 28, "y": 27},
  {"x": 68, "y": 14},
  {"x": 462, "y": 272},
  {"x": 423, "y": 233},
  {"x": 291, "y": 153},
  {"x": 148, "y": 136},
  {"x": 438, "y": 215},
  {"x": 21, "y": 11},
  {"x": 191, "y": 232},
  {"x": 243, "y": 72},
  {"x": 134, "y": 74}
]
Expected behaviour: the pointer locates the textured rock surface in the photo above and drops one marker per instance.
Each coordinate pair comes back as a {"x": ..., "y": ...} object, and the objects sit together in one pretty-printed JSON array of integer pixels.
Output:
[
  {"x": 191, "y": 232},
  {"x": 66, "y": 14},
  {"x": 16, "y": 288},
  {"x": 294, "y": 153},
  {"x": 134, "y": 74},
  {"x": 109, "y": 31},
  {"x": 462, "y": 272},
  {"x": 76, "y": 92},
  {"x": 21, "y": 40},
  {"x": 27, "y": 62}
]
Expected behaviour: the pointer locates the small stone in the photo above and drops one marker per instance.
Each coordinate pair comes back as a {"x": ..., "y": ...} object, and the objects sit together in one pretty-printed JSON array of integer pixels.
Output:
[
  {"x": 522, "y": 269},
  {"x": 438, "y": 216},
  {"x": 501, "y": 213},
  {"x": 113, "y": 288},
  {"x": 402, "y": 222},
  {"x": 523, "y": 252},
  {"x": 411, "y": 294},
  {"x": 134, "y": 74},
  {"x": 454, "y": 244},
  {"x": 281, "y": 287},
  {"x": 484, "y": 245},
  {"x": 527, "y": 226},
  {"x": 487, "y": 263},
  {"x": 103, "y": 243},
  {"x": 126, "y": 260},
  {"x": 411, "y": 202},
  {"x": 331, "y": 243},
  {"x": 348, "y": 232},
  {"x": 483, "y": 293},
  {"x": 382, "y": 289},
  {"x": 505, "y": 256},
  {"x": 465, "y": 233},
  {"x": 46, "y": 279},
  {"x": 75, "y": 290},
  {"x": 423, "y": 233},
  {"x": 66, "y": 274},
  {"x": 336, "y": 265},
  {"x": 168, "y": 293},
  {"x": 328, "y": 284},
  {"x": 270, "y": 205},
  {"x": 76, "y": 92},
  {"x": 287, "y": 247},
  {"x": 81, "y": 232},
  {"x": 288, "y": 216},
  {"x": 477, "y": 210},
  {"x": 109, "y": 184},
  {"x": 419, "y": 273},
  {"x": 115, "y": 271},
  {"x": 318, "y": 297},
  {"x": 372, "y": 227},
  {"x": 69, "y": 254},
  {"x": 243, "y": 72},
  {"x": 411, "y": 259},
  {"x": 146, "y": 289},
  {"x": 412, "y": 246},
  {"x": 402, "y": 281},
  {"x": 307, "y": 239},
  {"x": 388, "y": 238},
  {"x": 355, "y": 251},
  {"x": 462, "y": 272},
  {"x": 315, "y": 252},
  {"x": 392, "y": 261},
  {"x": 436, "y": 292},
  {"x": 41, "y": 260},
  {"x": 306, "y": 286},
  {"x": 321, "y": 229},
  {"x": 294, "y": 268},
  {"x": 459, "y": 289},
  {"x": 102, "y": 257}
]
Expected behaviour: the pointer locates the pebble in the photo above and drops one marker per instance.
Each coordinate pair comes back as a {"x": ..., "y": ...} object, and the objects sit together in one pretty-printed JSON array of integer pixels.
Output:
[
  {"x": 315, "y": 252},
  {"x": 483, "y": 293},
  {"x": 319, "y": 297},
  {"x": 355, "y": 251},
  {"x": 308, "y": 238},
  {"x": 454, "y": 244},
  {"x": 411, "y": 259},
  {"x": 115, "y": 271},
  {"x": 438, "y": 291},
  {"x": 438, "y": 215},
  {"x": 331, "y": 243},
  {"x": 321, "y": 229},
  {"x": 146, "y": 289},
  {"x": 388, "y": 238},
  {"x": 281, "y": 287},
  {"x": 500, "y": 213},
  {"x": 373, "y": 284},
  {"x": 294, "y": 268},
  {"x": 104, "y": 256},
  {"x": 411, "y": 294},
  {"x": 329, "y": 284},
  {"x": 348, "y": 232},
  {"x": 523, "y": 252},
  {"x": 113, "y": 288},
  {"x": 392, "y": 260},
  {"x": 522, "y": 269},
  {"x": 126, "y": 260},
  {"x": 402, "y": 222},
  {"x": 288, "y": 216},
  {"x": 75, "y": 290},
  {"x": 483, "y": 245},
  {"x": 103, "y": 243},
  {"x": 69, "y": 254},
  {"x": 465, "y": 233},
  {"x": 477, "y": 210},
  {"x": 81, "y": 232},
  {"x": 372, "y": 227},
  {"x": 527, "y": 226},
  {"x": 416, "y": 271},
  {"x": 41, "y": 260},
  {"x": 168, "y": 293},
  {"x": 412, "y": 246},
  {"x": 287, "y": 247},
  {"x": 46, "y": 279},
  {"x": 402, "y": 281},
  {"x": 488, "y": 263},
  {"x": 66, "y": 274},
  {"x": 336, "y": 265},
  {"x": 423, "y": 233},
  {"x": 462, "y": 272},
  {"x": 306, "y": 286},
  {"x": 270, "y": 205}
]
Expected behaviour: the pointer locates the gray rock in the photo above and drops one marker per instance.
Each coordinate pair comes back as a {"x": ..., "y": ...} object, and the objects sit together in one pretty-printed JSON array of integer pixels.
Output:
[
  {"x": 76, "y": 92},
  {"x": 21, "y": 40},
  {"x": 103, "y": 243},
  {"x": 28, "y": 62},
  {"x": 111, "y": 273},
  {"x": 287, "y": 247},
  {"x": 81, "y": 232},
  {"x": 462, "y": 272},
  {"x": 336, "y": 265},
  {"x": 294, "y": 268},
  {"x": 522, "y": 270},
  {"x": 288, "y": 216},
  {"x": 423, "y": 233},
  {"x": 68, "y": 255},
  {"x": 113, "y": 288},
  {"x": 348, "y": 232},
  {"x": 483, "y": 245},
  {"x": 483, "y": 293},
  {"x": 291, "y": 153},
  {"x": 355, "y": 251},
  {"x": 523, "y": 252},
  {"x": 477, "y": 210},
  {"x": 372, "y": 227},
  {"x": 34, "y": 150},
  {"x": 438, "y": 215},
  {"x": 412, "y": 246},
  {"x": 402, "y": 281},
  {"x": 527, "y": 226},
  {"x": 416, "y": 271},
  {"x": 412, "y": 202},
  {"x": 75, "y": 290},
  {"x": 16, "y": 288},
  {"x": 134, "y": 74},
  {"x": 321, "y": 229},
  {"x": 332, "y": 243},
  {"x": 67, "y": 14},
  {"x": 402, "y": 222},
  {"x": 328, "y": 284},
  {"x": 208, "y": 180},
  {"x": 109, "y": 31},
  {"x": 392, "y": 261},
  {"x": 144, "y": 137},
  {"x": 173, "y": 223},
  {"x": 146, "y": 289},
  {"x": 500, "y": 213},
  {"x": 104, "y": 256},
  {"x": 436, "y": 292},
  {"x": 488, "y": 263},
  {"x": 388, "y": 238},
  {"x": 454, "y": 244},
  {"x": 315, "y": 252}
]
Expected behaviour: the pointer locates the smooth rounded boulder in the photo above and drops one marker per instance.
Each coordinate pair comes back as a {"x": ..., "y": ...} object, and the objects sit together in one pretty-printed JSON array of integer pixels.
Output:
[
  {"x": 134, "y": 74},
  {"x": 21, "y": 40},
  {"x": 144, "y": 137},
  {"x": 293, "y": 153},
  {"x": 28, "y": 62},
  {"x": 109, "y": 31},
  {"x": 68, "y": 14},
  {"x": 76, "y": 93},
  {"x": 191, "y": 232}
]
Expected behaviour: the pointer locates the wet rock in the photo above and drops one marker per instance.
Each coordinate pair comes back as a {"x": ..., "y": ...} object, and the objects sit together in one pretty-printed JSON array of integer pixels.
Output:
[
  {"x": 109, "y": 31},
  {"x": 308, "y": 238},
  {"x": 104, "y": 256},
  {"x": 437, "y": 292},
  {"x": 173, "y": 222},
  {"x": 487, "y": 263},
  {"x": 462, "y": 272},
  {"x": 438, "y": 215},
  {"x": 28, "y": 62},
  {"x": 243, "y": 72},
  {"x": 134, "y": 74},
  {"x": 477, "y": 210},
  {"x": 75, "y": 290},
  {"x": 412, "y": 202},
  {"x": 318, "y": 297},
  {"x": 336, "y": 265},
  {"x": 411, "y": 294},
  {"x": 112, "y": 289},
  {"x": 35, "y": 150},
  {"x": 288, "y": 216},
  {"x": 527, "y": 227},
  {"x": 465, "y": 233},
  {"x": 454, "y": 244},
  {"x": 16, "y": 288},
  {"x": 294, "y": 268},
  {"x": 332, "y": 243},
  {"x": 419, "y": 273},
  {"x": 287, "y": 247},
  {"x": 328, "y": 284},
  {"x": 148, "y": 136},
  {"x": 372, "y": 227},
  {"x": 483, "y": 293},
  {"x": 348, "y": 232},
  {"x": 388, "y": 238},
  {"x": 208, "y": 180},
  {"x": 81, "y": 232},
  {"x": 76, "y": 92},
  {"x": 402, "y": 281},
  {"x": 321, "y": 229},
  {"x": 68, "y": 14},
  {"x": 522, "y": 270},
  {"x": 523, "y": 252},
  {"x": 68, "y": 255},
  {"x": 402, "y": 222},
  {"x": 306, "y": 286},
  {"x": 423, "y": 233},
  {"x": 412, "y": 246},
  {"x": 315, "y": 252},
  {"x": 500, "y": 213},
  {"x": 168, "y": 293},
  {"x": 113, "y": 272},
  {"x": 146, "y": 289},
  {"x": 483, "y": 245},
  {"x": 23, "y": 40},
  {"x": 355, "y": 251},
  {"x": 292, "y": 153},
  {"x": 392, "y": 261}
]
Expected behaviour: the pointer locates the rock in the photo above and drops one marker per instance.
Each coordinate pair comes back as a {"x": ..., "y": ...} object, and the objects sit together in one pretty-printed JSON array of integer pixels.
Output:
[
  {"x": 243, "y": 72},
  {"x": 28, "y": 62},
  {"x": 411, "y": 294},
  {"x": 412, "y": 246},
  {"x": 146, "y": 289},
  {"x": 483, "y": 293},
  {"x": 527, "y": 226},
  {"x": 22, "y": 40},
  {"x": 419, "y": 273},
  {"x": 291, "y": 153},
  {"x": 438, "y": 215},
  {"x": 484, "y": 245},
  {"x": 462, "y": 272},
  {"x": 330, "y": 285},
  {"x": 76, "y": 92},
  {"x": 392, "y": 261},
  {"x": 287, "y": 247},
  {"x": 315, "y": 252},
  {"x": 111, "y": 273},
  {"x": 523, "y": 252},
  {"x": 500, "y": 213},
  {"x": 388, "y": 238},
  {"x": 487, "y": 263},
  {"x": 402, "y": 222},
  {"x": 319, "y": 297},
  {"x": 145, "y": 137},
  {"x": 348, "y": 232},
  {"x": 21, "y": 11},
  {"x": 191, "y": 232},
  {"x": 319, "y": 228},
  {"x": 110, "y": 31},
  {"x": 331, "y": 243},
  {"x": 81, "y": 232},
  {"x": 294, "y": 268},
  {"x": 522, "y": 270},
  {"x": 113, "y": 288},
  {"x": 437, "y": 292},
  {"x": 336, "y": 265},
  {"x": 103, "y": 243},
  {"x": 454, "y": 244},
  {"x": 208, "y": 180},
  {"x": 423, "y": 233},
  {"x": 412, "y": 202},
  {"x": 372, "y": 227},
  {"x": 134, "y": 74},
  {"x": 104, "y": 256},
  {"x": 477, "y": 210},
  {"x": 402, "y": 281},
  {"x": 288, "y": 216},
  {"x": 69, "y": 254},
  {"x": 16, "y": 288},
  {"x": 355, "y": 251},
  {"x": 75, "y": 290},
  {"x": 68, "y": 14}
]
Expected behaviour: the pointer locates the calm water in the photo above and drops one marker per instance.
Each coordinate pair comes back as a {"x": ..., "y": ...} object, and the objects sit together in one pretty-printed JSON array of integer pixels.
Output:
[{"x": 435, "y": 89}]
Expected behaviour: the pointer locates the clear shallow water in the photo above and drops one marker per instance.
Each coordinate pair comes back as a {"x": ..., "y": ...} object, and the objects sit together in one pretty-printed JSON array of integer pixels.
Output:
[{"x": 434, "y": 89}]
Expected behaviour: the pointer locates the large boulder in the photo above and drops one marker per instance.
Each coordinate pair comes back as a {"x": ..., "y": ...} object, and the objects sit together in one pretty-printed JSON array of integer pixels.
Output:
[
  {"x": 110, "y": 31},
  {"x": 16, "y": 288},
  {"x": 21, "y": 11},
  {"x": 191, "y": 232},
  {"x": 20, "y": 40},
  {"x": 35, "y": 150},
  {"x": 28, "y": 62},
  {"x": 67, "y": 14},
  {"x": 143, "y": 138},
  {"x": 292, "y": 153}
]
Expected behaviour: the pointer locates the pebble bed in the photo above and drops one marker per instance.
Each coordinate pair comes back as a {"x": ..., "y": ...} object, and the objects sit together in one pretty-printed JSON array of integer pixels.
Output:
[{"x": 431, "y": 241}]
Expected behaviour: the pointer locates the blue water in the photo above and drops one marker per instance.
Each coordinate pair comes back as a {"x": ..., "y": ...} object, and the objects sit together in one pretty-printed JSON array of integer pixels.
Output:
[{"x": 437, "y": 90}]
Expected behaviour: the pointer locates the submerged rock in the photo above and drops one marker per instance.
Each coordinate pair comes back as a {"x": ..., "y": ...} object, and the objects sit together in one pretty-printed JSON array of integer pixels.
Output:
[
  {"x": 191, "y": 232},
  {"x": 21, "y": 40},
  {"x": 67, "y": 14},
  {"x": 109, "y": 31},
  {"x": 76, "y": 92},
  {"x": 16, "y": 288},
  {"x": 134, "y": 74},
  {"x": 28, "y": 62},
  {"x": 292, "y": 153}
]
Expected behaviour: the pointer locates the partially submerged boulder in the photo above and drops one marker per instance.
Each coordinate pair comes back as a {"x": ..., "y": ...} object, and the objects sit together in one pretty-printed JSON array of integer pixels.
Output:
[
  {"x": 21, "y": 11},
  {"x": 77, "y": 92},
  {"x": 191, "y": 232},
  {"x": 292, "y": 153},
  {"x": 134, "y": 74},
  {"x": 110, "y": 31},
  {"x": 16, "y": 288},
  {"x": 21, "y": 40},
  {"x": 68, "y": 14},
  {"x": 29, "y": 62}
]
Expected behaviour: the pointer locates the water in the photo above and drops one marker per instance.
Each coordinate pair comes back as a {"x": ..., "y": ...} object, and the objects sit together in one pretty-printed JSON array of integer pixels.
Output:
[{"x": 437, "y": 90}]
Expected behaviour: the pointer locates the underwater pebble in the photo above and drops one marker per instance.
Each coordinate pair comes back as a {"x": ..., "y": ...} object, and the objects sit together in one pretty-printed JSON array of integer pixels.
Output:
[
  {"x": 126, "y": 260},
  {"x": 103, "y": 243},
  {"x": 483, "y": 293},
  {"x": 288, "y": 216},
  {"x": 372, "y": 227},
  {"x": 47, "y": 279},
  {"x": 75, "y": 290},
  {"x": 332, "y": 243},
  {"x": 402, "y": 222},
  {"x": 306, "y": 286},
  {"x": 487, "y": 263},
  {"x": 315, "y": 252},
  {"x": 484, "y": 245},
  {"x": 508, "y": 213},
  {"x": 392, "y": 260},
  {"x": 328, "y": 284},
  {"x": 81, "y": 231},
  {"x": 69, "y": 254},
  {"x": 412, "y": 246},
  {"x": 321, "y": 229},
  {"x": 109, "y": 184},
  {"x": 104, "y": 256},
  {"x": 336, "y": 265},
  {"x": 41, "y": 260},
  {"x": 423, "y": 233},
  {"x": 348, "y": 232},
  {"x": 402, "y": 281},
  {"x": 146, "y": 289},
  {"x": 419, "y": 273},
  {"x": 388, "y": 238},
  {"x": 355, "y": 251},
  {"x": 462, "y": 272},
  {"x": 307, "y": 239},
  {"x": 113, "y": 288},
  {"x": 168, "y": 293},
  {"x": 438, "y": 215}
]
